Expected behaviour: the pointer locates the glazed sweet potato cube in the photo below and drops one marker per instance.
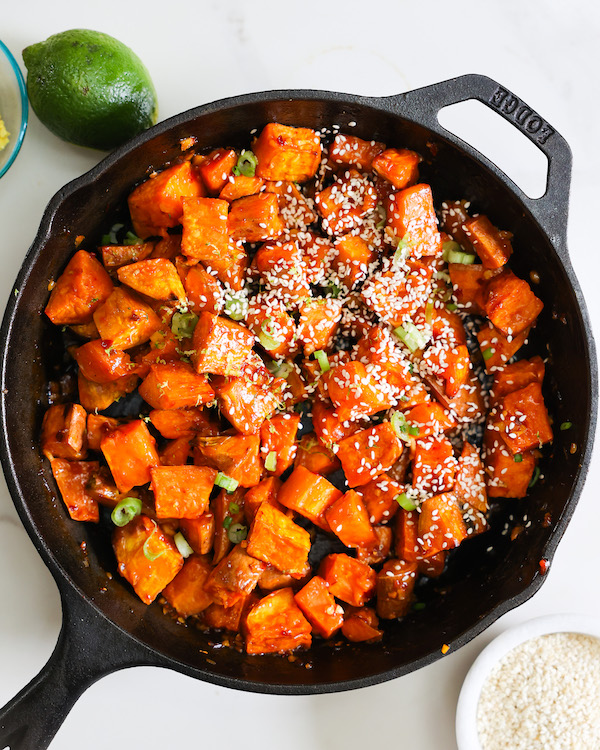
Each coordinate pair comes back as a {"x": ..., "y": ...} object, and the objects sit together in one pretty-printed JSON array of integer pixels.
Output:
[
  {"x": 238, "y": 186},
  {"x": 203, "y": 290},
  {"x": 175, "y": 385},
  {"x": 82, "y": 287},
  {"x": 497, "y": 348},
  {"x": 272, "y": 325},
  {"x": 221, "y": 345},
  {"x": 445, "y": 324},
  {"x": 272, "y": 579},
  {"x": 368, "y": 453},
  {"x": 130, "y": 451},
  {"x": 441, "y": 525},
  {"x": 361, "y": 624},
  {"x": 349, "y": 579},
  {"x": 205, "y": 235},
  {"x": 246, "y": 404},
  {"x": 64, "y": 432},
  {"x": 287, "y": 153},
  {"x": 255, "y": 218},
  {"x": 275, "y": 624},
  {"x": 116, "y": 256},
  {"x": 73, "y": 479},
  {"x": 295, "y": 210},
  {"x": 236, "y": 575},
  {"x": 395, "y": 587},
  {"x": 280, "y": 265},
  {"x": 228, "y": 618},
  {"x": 408, "y": 545},
  {"x": 454, "y": 216},
  {"x": 356, "y": 391},
  {"x": 183, "y": 423},
  {"x": 182, "y": 491},
  {"x": 99, "y": 362},
  {"x": 523, "y": 419},
  {"x": 379, "y": 496},
  {"x": 277, "y": 540},
  {"x": 328, "y": 426},
  {"x": 319, "y": 320},
  {"x": 434, "y": 465},
  {"x": 433, "y": 566},
  {"x": 216, "y": 169},
  {"x": 97, "y": 427},
  {"x": 344, "y": 204},
  {"x": 492, "y": 246},
  {"x": 228, "y": 509},
  {"x": 186, "y": 592},
  {"x": 199, "y": 532},
  {"x": 431, "y": 418},
  {"x": 278, "y": 436},
  {"x": 319, "y": 607},
  {"x": 517, "y": 375},
  {"x": 400, "y": 166},
  {"x": 264, "y": 492},
  {"x": 156, "y": 278},
  {"x": 510, "y": 304},
  {"x": 377, "y": 553},
  {"x": 147, "y": 557},
  {"x": 124, "y": 320},
  {"x": 313, "y": 455},
  {"x": 468, "y": 405},
  {"x": 468, "y": 285},
  {"x": 96, "y": 397},
  {"x": 352, "y": 259},
  {"x": 469, "y": 483},
  {"x": 175, "y": 452},
  {"x": 308, "y": 494},
  {"x": 450, "y": 363},
  {"x": 353, "y": 151},
  {"x": 157, "y": 203},
  {"x": 348, "y": 518},
  {"x": 506, "y": 476},
  {"x": 317, "y": 253},
  {"x": 234, "y": 455},
  {"x": 395, "y": 296},
  {"x": 411, "y": 216}
]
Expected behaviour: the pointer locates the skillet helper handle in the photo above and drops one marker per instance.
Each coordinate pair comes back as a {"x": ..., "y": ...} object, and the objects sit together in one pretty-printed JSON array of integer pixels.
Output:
[
  {"x": 551, "y": 209},
  {"x": 88, "y": 648}
]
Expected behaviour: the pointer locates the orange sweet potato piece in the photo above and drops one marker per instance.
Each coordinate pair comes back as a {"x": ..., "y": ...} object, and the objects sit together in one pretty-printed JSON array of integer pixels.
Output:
[
  {"x": 183, "y": 423},
  {"x": 203, "y": 290},
  {"x": 328, "y": 426},
  {"x": 441, "y": 525},
  {"x": 287, "y": 153},
  {"x": 244, "y": 403},
  {"x": 394, "y": 296},
  {"x": 64, "y": 432},
  {"x": 72, "y": 479},
  {"x": 280, "y": 265},
  {"x": 510, "y": 304},
  {"x": 278, "y": 435},
  {"x": 349, "y": 520},
  {"x": 356, "y": 391},
  {"x": 434, "y": 464},
  {"x": 186, "y": 592},
  {"x": 505, "y": 476},
  {"x": 238, "y": 186},
  {"x": 205, "y": 236},
  {"x": 275, "y": 624},
  {"x": 294, "y": 209},
  {"x": 516, "y": 376},
  {"x": 354, "y": 152},
  {"x": 134, "y": 545},
  {"x": 124, "y": 320},
  {"x": 130, "y": 451},
  {"x": 319, "y": 607},
  {"x": 264, "y": 492},
  {"x": 229, "y": 618},
  {"x": 377, "y": 553},
  {"x": 411, "y": 216},
  {"x": 313, "y": 455},
  {"x": 272, "y": 579},
  {"x": 156, "y": 278},
  {"x": 277, "y": 540},
  {"x": 97, "y": 427},
  {"x": 523, "y": 419},
  {"x": 344, "y": 204},
  {"x": 408, "y": 545},
  {"x": 216, "y": 169},
  {"x": 431, "y": 418},
  {"x": 272, "y": 325},
  {"x": 175, "y": 452},
  {"x": 497, "y": 348},
  {"x": 235, "y": 575},
  {"x": 99, "y": 396},
  {"x": 234, "y": 455},
  {"x": 450, "y": 363},
  {"x": 468, "y": 285},
  {"x": 349, "y": 579},
  {"x": 379, "y": 496},
  {"x": 319, "y": 319},
  {"x": 308, "y": 494},
  {"x": 82, "y": 287},
  {"x": 317, "y": 253},
  {"x": 182, "y": 491},
  {"x": 255, "y": 218},
  {"x": 454, "y": 217},
  {"x": 398, "y": 165},
  {"x": 368, "y": 453},
  {"x": 395, "y": 586},
  {"x": 116, "y": 256},
  {"x": 361, "y": 624},
  {"x": 352, "y": 259},
  {"x": 199, "y": 532},
  {"x": 469, "y": 483},
  {"x": 175, "y": 385},
  {"x": 98, "y": 361},
  {"x": 228, "y": 509},
  {"x": 221, "y": 346},
  {"x": 433, "y": 566},
  {"x": 491, "y": 245},
  {"x": 157, "y": 203}
]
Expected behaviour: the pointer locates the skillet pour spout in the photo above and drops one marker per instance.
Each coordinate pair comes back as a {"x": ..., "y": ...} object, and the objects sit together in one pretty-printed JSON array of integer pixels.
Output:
[{"x": 105, "y": 626}]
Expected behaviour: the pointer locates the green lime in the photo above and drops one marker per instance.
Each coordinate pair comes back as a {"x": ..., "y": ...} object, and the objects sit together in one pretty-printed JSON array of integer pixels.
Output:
[{"x": 90, "y": 89}]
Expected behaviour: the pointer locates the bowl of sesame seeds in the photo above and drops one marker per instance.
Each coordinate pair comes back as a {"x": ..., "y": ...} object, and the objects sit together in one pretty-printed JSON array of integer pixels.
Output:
[{"x": 536, "y": 685}]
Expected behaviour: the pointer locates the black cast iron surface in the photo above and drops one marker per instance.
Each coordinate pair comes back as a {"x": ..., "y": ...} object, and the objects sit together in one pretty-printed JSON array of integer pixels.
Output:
[{"x": 105, "y": 626}]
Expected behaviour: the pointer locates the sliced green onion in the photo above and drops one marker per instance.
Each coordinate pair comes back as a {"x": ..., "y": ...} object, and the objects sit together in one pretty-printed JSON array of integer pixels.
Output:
[
  {"x": 237, "y": 533},
  {"x": 487, "y": 353},
  {"x": 517, "y": 458},
  {"x": 535, "y": 477},
  {"x": 182, "y": 545},
  {"x": 132, "y": 239},
  {"x": 402, "y": 251},
  {"x": 402, "y": 427},
  {"x": 405, "y": 502},
  {"x": 429, "y": 311},
  {"x": 225, "y": 482},
  {"x": 451, "y": 246},
  {"x": 271, "y": 461},
  {"x": 411, "y": 336},
  {"x": 236, "y": 306},
  {"x": 323, "y": 360},
  {"x": 458, "y": 256},
  {"x": 280, "y": 369},
  {"x": 452, "y": 306},
  {"x": 183, "y": 324},
  {"x": 234, "y": 508},
  {"x": 418, "y": 606},
  {"x": 151, "y": 556},
  {"x": 227, "y": 521},
  {"x": 246, "y": 164},
  {"x": 126, "y": 510},
  {"x": 111, "y": 237},
  {"x": 413, "y": 430},
  {"x": 566, "y": 426},
  {"x": 266, "y": 335}
]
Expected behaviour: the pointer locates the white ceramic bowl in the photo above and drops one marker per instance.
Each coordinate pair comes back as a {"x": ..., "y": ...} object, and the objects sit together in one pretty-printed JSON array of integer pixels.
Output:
[
  {"x": 13, "y": 106},
  {"x": 466, "y": 713}
]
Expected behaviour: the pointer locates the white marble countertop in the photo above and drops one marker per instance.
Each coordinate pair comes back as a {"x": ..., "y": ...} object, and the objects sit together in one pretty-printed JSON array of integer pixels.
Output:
[{"x": 547, "y": 53}]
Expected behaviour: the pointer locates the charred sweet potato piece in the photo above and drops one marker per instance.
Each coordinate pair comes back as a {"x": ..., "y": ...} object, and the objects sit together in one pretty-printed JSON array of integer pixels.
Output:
[
  {"x": 278, "y": 436},
  {"x": 255, "y": 218},
  {"x": 319, "y": 319},
  {"x": 147, "y": 558},
  {"x": 379, "y": 496},
  {"x": 275, "y": 624},
  {"x": 408, "y": 545},
  {"x": 124, "y": 320},
  {"x": 186, "y": 592},
  {"x": 199, "y": 532},
  {"x": 434, "y": 464},
  {"x": 277, "y": 540},
  {"x": 368, "y": 453},
  {"x": 349, "y": 520},
  {"x": 454, "y": 216},
  {"x": 73, "y": 478},
  {"x": 99, "y": 396},
  {"x": 98, "y": 361},
  {"x": 377, "y": 553},
  {"x": 221, "y": 346},
  {"x": 182, "y": 491},
  {"x": 468, "y": 285},
  {"x": 400, "y": 166},
  {"x": 349, "y": 579},
  {"x": 411, "y": 216},
  {"x": 354, "y": 152},
  {"x": 441, "y": 526},
  {"x": 361, "y": 624},
  {"x": 183, "y": 423},
  {"x": 395, "y": 586},
  {"x": 130, "y": 451},
  {"x": 313, "y": 455},
  {"x": 308, "y": 494},
  {"x": 64, "y": 432},
  {"x": 97, "y": 427},
  {"x": 280, "y": 265},
  {"x": 216, "y": 169},
  {"x": 116, "y": 256},
  {"x": 516, "y": 376},
  {"x": 352, "y": 259},
  {"x": 523, "y": 419},
  {"x": 433, "y": 566},
  {"x": 344, "y": 204},
  {"x": 156, "y": 278},
  {"x": 236, "y": 575},
  {"x": 175, "y": 385},
  {"x": 264, "y": 492},
  {"x": 203, "y": 290},
  {"x": 229, "y": 618},
  {"x": 81, "y": 289},
  {"x": 492, "y": 246},
  {"x": 510, "y": 304},
  {"x": 234, "y": 455},
  {"x": 287, "y": 153},
  {"x": 508, "y": 475},
  {"x": 238, "y": 186},
  {"x": 497, "y": 348},
  {"x": 319, "y": 607},
  {"x": 157, "y": 203},
  {"x": 468, "y": 405}
]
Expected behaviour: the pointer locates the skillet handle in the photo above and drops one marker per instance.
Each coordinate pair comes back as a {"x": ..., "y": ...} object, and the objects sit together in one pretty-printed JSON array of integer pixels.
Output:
[
  {"x": 551, "y": 209},
  {"x": 88, "y": 648}
]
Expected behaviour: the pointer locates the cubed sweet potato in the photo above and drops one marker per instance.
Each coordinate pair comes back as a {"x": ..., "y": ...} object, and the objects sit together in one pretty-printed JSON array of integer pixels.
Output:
[
  {"x": 344, "y": 204},
  {"x": 431, "y": 418},
  {"x": 238, "y": 186},
  {"x": 264, "y": 492},
  {"x": 278, "y": 436},
  {"x": 234, "y": 455},
  {"x": 246, "y": 404},
  {"x": 287, "y": 153},
  {"x": 228, "y": 509},
  {"x": 100, "y": 362},
  {"x": 328, "y": 426},
  {"x": 319, "y": 607},
  {"x": 183, "y": 423},
  {"x": 356, "y": 391},
  {"x": 361, "y": 624},
  {"x": 377, "y": 553},
  {"x": 510, "y": 304},
  {"x": 492, "y": 246},
  {"x": 199, "y": 532},
  {"x": 203, "y": 290},
  {"x": 235, "y": 575},
  {"x": 64, "y": 432},
  {"x": 186, "y": 592},
  {"x": 255, "y": 218},
  {"x": 97, "y": 427},
  {"x": 523, "y": 419},
  {"x": 434, "y": 465},
  {"x": 275, "y": 624},
  {"x": 272, "y": 325},
  {"x": 308, "y": 494},
  {"x": 82, "y": 287},
  {"x": 280, "y": 265},
  {"x": 229, "y": 618},
  {"x": 379, "y": 496},
  {"x": 277, "y": 540},
  {"x": 469, "y": 484},
  {"x": 441, "y": 525},
  {"x": 216, "y": 169},
  {"x": 396, "y": 297},
  {"x": 319, "y": 319},
  {"x": 349, "y": 579},
  {"x": 73, "y": 478},
  {"x": 395, "y": 587},
  {"x": 352, "y": 259},
  {"x": 450, "y": 363},
  {"x": 349, "y": 520},
  {"x": 408, "y": 545},
  {"x": 506, "y": 477},
  {"x": 156, "y": 278},
  {"x": 496, "y": 347},
  {"x": 411, "y": 216},
  {"x": 116, "y": 256},
  {"x": 130, "y": 451},
  {"x": 205, "y": 235},
  {"x": 368, "y": 453},
  {"x": 313, "y": 455},
  {"x": 515, "y": 376},
  {"x": 175, "y": 452},
  {"x": 221, "y": 346},
  {"x": 400, "y": 166},
  {"x": 124, "y": 320},
  {"x": 96, "y": 397},
  {"x": 354, "y": 152},
  {"x": 182, "y": 491},
  {"x": 175, "y": 385}
]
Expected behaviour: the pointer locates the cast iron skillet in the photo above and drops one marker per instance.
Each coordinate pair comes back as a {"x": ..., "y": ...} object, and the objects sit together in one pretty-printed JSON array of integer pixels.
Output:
[{"x": 105, "y": 627}]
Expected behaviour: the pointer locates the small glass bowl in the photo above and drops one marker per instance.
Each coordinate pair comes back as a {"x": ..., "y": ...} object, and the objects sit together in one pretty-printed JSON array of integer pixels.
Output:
[{"x": 14, "y": 107}]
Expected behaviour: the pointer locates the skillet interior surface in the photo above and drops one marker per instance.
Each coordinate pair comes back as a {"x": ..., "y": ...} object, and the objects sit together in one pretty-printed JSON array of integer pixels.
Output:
[{"x": 478, "y": 585}]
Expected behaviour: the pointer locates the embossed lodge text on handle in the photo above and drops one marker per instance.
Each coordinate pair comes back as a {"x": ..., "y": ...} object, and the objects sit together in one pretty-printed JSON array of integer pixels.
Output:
[{"x": 524, "y": 117}]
